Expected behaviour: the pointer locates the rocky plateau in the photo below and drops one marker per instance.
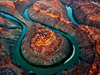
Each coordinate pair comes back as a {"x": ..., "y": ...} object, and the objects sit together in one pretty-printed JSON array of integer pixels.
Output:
[{"x": 53, "y": 14}]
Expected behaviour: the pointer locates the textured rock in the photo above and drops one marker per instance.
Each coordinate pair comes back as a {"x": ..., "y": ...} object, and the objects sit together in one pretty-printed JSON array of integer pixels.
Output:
[
  {"x": 87, "y": 13},
  {"x": 87, "y": 54},
  {"x": 70, "y": 1},
  {"x": 80, "y": 69},
  {"x": 94, "y": 34},
  {"x": 11, "y": 70},
  {"x": 11, "y": 7},
  {"x": 42, "y": 46},
  {"x": 6, "y": 65},
  {"x": 64, "y": 73},
  {"x": 10, "y": 31},
  {"x": 51, "y": 13},
  {"x": 4, "y": 52},
  {"x": 21, "y": 5}
]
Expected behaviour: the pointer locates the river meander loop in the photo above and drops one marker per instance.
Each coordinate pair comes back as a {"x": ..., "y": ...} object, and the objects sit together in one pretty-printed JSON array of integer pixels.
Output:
[{"x": 73, "y": 58}]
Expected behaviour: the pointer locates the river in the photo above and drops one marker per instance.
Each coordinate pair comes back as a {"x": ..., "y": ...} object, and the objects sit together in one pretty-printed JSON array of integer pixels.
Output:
[{"x": 73, "y": 58}]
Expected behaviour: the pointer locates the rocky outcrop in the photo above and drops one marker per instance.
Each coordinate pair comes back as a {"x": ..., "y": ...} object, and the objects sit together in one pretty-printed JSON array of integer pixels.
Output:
[
  {"x": 53, "y": 14},
  {"x": 10, "y": 31},
  {"x": 94, "y": 34},
  {"x": 44, "y": 47},
  {"x": 50, "y": 13},
  {"x": 22, "y": 5},
  {"x": 12, "y": 8},
  {"x": 87, "y": 13},
  {"x": 86, "y": 50}
]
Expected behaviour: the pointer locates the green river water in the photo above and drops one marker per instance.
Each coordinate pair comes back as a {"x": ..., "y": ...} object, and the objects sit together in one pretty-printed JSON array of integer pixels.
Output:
[{"x": 73, "y": 58}]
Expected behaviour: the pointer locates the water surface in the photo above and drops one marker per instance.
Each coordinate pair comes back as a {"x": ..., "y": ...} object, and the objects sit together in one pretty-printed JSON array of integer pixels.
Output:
[{"x": 70, "y": 15}]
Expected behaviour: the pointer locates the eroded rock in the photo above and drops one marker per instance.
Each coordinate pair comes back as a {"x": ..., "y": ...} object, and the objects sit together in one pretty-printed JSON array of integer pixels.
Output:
[
  {"x": 44, "y": 47},
  {"x": 87, "y": 13}
]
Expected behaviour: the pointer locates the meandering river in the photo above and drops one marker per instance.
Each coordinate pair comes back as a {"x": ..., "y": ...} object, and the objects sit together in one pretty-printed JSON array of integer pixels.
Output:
[{"x": 73, "y": 58}]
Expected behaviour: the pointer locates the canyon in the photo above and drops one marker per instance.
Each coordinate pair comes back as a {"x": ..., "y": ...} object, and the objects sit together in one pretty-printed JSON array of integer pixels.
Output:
[{"x": 51, "y": 14}]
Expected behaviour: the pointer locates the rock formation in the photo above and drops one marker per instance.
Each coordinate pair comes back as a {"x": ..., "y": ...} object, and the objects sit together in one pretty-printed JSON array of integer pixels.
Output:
[
  {"x": 94, "y": 34},
  {"x": 39, "y": 39},
  {"x": 10, "y": 31},
  {"x": 87, "y": 13},
  {"x": 50, "y": 13},
  {"x": 44, "y": 47}
]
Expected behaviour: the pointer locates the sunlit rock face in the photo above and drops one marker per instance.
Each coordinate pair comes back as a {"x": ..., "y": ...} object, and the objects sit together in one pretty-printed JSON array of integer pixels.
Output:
[
  {"x": 87, "y": 13},
  {"x": 51, "y": 13},
  {"x": 42, "y": 46}
]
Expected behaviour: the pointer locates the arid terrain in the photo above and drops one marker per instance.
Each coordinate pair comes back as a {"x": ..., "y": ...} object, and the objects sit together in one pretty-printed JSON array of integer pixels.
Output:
[{"x": 44, "y": 46}]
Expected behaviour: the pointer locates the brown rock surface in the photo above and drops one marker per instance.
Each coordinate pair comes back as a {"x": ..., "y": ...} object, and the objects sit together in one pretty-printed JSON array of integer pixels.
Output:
[
  {"x": 12, "y": 7},
  {"x": 10, "y": 31},
  {"x": 42, "y": 46},
  {"x": 94, "y": 34},
  {"x": 22, "y": 5},
  {"x": 52, "y": 13},
  {"x": 87, "y": 13},
  {"x": 70, "y": 1},
  {"x": 10, "y": 69},
  {"x": 4, "y": 52},
  {"x": 87, "y": 54},
  {"x": 7, "y": 66}
]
